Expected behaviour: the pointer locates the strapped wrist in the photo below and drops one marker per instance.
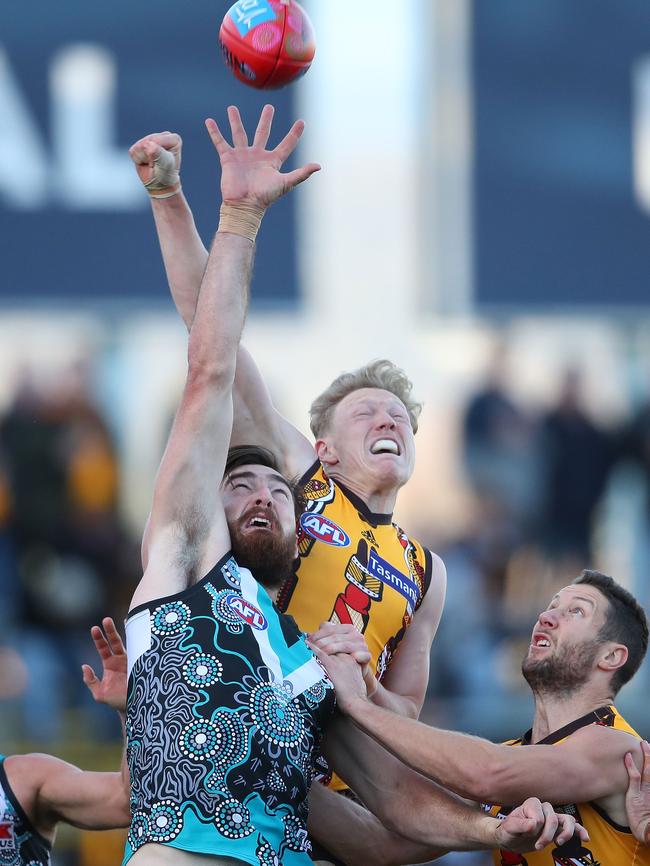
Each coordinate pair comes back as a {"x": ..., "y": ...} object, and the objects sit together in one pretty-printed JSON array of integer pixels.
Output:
[
  {"x": 165, "y": 180},
  {"x": 162, "y": 192},
  {"x": 241, "y": 219}
]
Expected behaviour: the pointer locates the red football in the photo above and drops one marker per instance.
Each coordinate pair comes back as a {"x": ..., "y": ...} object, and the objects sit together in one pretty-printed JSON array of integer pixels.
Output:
[{"x": 267, "y": 43}]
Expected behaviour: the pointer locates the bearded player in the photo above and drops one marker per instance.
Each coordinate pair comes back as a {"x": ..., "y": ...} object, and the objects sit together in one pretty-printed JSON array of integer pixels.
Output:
[{"x": 588, "y": 643}]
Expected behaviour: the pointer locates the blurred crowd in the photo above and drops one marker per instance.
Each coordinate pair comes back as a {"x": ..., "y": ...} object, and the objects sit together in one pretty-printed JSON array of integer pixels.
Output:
[
  {"x": 541, "y": 479},
  {"x": 65, "y": 557}
]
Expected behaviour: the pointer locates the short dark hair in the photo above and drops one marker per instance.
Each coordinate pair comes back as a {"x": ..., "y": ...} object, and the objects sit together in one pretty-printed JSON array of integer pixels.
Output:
[
  {"x": 243, "y": 455},
  {"x": 625, "y": 623}
]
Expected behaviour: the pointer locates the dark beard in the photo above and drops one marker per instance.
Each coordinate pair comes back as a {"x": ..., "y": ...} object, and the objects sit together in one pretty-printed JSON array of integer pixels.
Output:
[
  {"x": 564, "y": 673},
  {"x": 267, "y": 555}
]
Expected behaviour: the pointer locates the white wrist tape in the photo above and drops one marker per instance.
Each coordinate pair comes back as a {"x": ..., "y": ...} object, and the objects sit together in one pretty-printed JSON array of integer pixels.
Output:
[{"x": 165, "y": 179}]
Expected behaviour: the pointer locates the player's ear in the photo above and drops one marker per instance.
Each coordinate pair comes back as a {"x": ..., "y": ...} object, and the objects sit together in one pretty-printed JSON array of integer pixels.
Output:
[
  {"x": 614, "y": 657},
  {"x": 325, "y": 452}
]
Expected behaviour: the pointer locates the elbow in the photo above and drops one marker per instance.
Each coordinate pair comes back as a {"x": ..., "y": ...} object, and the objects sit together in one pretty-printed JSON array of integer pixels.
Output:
[
  {"x": 209, "y": 373},
  {"x": 412, "y": 709}
]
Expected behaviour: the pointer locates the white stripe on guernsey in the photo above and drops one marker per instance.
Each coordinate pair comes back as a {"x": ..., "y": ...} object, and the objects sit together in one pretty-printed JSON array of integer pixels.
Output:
[
  {"x": 138, "y": 637},
  {"x": 305, "y": 676},
  {"x": 302, "y": 678},
  {"x": 249, "y": 588}
]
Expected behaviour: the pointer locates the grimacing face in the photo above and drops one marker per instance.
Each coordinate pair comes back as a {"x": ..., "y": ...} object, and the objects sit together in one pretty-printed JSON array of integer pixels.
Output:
[
  {"x": 259, "y": 509},
  {"x": 370, "y": 435},
  {"x": 564, "y": 645}
]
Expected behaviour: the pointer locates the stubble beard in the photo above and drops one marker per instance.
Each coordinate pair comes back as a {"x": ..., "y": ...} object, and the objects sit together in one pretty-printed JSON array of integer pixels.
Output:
[{"x": 562, "y": 674}]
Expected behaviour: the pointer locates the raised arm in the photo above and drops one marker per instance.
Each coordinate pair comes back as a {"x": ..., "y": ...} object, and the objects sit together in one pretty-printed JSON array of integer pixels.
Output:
[
  {"x": 187, "y": 532},
  {"x": 157, "y": 159},
  {"x": 111, "y": 688},
  {"x": 587, "y": 766}
]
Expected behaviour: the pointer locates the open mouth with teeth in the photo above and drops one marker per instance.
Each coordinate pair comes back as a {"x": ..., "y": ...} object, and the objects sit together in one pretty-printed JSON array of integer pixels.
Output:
[
  {"x": 258, "y": 522},
  {"x": 385, "y": 446},
  {"x": 541, "y": 641}
]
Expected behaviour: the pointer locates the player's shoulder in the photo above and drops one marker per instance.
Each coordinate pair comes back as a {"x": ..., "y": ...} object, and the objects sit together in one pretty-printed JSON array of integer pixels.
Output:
[{"x": 602, "y": 739}]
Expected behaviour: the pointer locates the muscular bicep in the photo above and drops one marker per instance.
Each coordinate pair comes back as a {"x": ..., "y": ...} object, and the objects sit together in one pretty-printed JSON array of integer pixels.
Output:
[
  {"x": 408, "y": 674},
  {"x": 94, "y": 801},
  {"x": 257, "y": 422}
]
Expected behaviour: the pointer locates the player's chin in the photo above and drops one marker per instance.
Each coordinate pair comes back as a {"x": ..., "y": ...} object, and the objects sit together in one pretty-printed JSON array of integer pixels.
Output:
[{"x": 390, "y": 468}]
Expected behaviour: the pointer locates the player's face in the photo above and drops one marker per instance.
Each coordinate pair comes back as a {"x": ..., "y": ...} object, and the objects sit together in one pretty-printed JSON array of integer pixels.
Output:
[
  {"x": 371, "y": 437},
  {"x": 260, "y": 514},
  {"x": 564, "y": 644}
]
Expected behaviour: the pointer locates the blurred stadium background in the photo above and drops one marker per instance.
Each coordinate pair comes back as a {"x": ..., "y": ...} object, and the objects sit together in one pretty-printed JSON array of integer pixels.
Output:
[{"x": 481, "y": 219}]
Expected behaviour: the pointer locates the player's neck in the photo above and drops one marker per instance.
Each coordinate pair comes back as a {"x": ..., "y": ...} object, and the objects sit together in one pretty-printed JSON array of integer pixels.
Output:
[
  {"x": 378, "y": 500},
  {"x": 553, "y": 712}
]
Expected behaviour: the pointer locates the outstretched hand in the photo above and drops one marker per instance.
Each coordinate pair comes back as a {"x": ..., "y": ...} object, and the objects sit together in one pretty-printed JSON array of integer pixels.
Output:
[
  {"x": 250, "y": 174},
  {"x": 111, "y": 688},
  {"x": 637, "y": 799},
  {"x": 534, "y": 825}
]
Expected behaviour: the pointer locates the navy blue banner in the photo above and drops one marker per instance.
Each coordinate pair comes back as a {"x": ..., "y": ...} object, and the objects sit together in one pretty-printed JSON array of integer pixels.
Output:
[
  {"x": 561, "y": 214},
  {"x": 76, "y": 89},
  {"x": 389, "y": 575}
]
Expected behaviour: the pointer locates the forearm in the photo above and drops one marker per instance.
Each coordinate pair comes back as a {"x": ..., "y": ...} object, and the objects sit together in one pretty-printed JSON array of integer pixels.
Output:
[
  {"x": 354, "y": 835},
  {"x": 429, "y": 815},
  {"x": 401, "y": 705},
  {"x": 221, "y": 308},
  {"x": 456, "y": 761},
  {"x": 184, "y": 255}
]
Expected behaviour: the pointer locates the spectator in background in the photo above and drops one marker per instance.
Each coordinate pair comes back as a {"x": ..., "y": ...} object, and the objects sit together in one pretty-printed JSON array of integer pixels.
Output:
[
  {"x": 635, "y": 448},
  {"x": 576, "y": 456},
  {"x": 72, "y": 554},
  {"x": 499, "y": 439}
]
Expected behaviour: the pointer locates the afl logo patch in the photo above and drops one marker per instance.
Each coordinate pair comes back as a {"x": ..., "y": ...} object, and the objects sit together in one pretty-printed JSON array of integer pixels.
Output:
[
  {"x": 251, "y": 615},
  {"x": 324, "y": 530}
]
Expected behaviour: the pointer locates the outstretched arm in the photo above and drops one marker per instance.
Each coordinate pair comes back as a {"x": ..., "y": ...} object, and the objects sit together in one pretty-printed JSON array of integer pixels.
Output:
[
  {"x": 157, "y": 159},
  {"x": 354, "y": 835},
  {"x": 432, "y": 818},
  {"x": 111, "y": 688},
  {"x": 187, "y": 532},
  {"x": 588, "y": 766},
  {"x": 53, "y": 790}
]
